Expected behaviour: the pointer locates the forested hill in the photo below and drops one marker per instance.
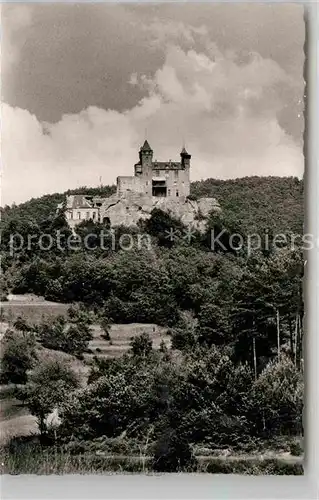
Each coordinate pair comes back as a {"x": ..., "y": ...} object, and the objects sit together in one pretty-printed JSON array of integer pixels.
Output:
[
  {"x": 257, "y": 203},
  {"x": 249, "y": 203},
  {"x": 40, "y": 209}
]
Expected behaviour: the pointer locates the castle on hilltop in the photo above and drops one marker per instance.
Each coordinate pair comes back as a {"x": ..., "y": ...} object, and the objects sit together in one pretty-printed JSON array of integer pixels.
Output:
[
  {"x": 152, "y": 180},
  {"x": 157, "y": 178},
  {"x": 155, "y": 184}
]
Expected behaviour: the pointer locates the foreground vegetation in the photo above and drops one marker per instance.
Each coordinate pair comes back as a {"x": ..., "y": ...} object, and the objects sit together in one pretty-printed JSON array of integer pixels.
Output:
[
  {"x": 230, "y": 381},
  {"x": 29, "y": 460}
]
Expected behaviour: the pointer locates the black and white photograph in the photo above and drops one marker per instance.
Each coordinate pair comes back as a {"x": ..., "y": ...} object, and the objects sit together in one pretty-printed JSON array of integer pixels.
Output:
[{"x": 152, "y": 238}]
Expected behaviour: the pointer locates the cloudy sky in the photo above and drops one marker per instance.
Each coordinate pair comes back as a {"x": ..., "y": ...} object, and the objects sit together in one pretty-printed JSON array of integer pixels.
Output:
[{"x": 82, "y": 84}]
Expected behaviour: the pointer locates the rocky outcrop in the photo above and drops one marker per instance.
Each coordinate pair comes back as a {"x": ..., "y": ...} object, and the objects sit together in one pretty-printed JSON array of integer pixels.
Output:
[{"x": 132, "y": 207}]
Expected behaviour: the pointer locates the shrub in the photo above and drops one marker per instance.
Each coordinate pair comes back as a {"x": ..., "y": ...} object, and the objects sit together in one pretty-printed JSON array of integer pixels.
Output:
[
  {"x": 192, "y": 197},
  {"x": 22, "y": 325},
  {"x": 277, "y": 399},
  {"x": 183, "y": 338},
  {"x": 141, "y": 345},
  {"x": 105, "y": 324},
  {"x": 172, "y": 453},
  {"x": 18, "y": 356},
  {"x": 58, "y": 335}
]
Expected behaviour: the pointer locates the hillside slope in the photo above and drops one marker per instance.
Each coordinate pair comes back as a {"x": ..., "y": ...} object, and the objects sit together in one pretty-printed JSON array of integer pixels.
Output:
[
  {"x": 248, "y": 203},
  {"x": 258, "y": 203}
]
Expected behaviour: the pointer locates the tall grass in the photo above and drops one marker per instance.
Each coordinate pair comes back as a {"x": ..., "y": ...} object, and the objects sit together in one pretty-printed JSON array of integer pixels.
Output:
[{"x": 32, "y": 459}]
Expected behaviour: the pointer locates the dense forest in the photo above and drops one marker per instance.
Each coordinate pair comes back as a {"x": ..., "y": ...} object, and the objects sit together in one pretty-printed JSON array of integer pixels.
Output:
[{"x": 234, "y": 373}]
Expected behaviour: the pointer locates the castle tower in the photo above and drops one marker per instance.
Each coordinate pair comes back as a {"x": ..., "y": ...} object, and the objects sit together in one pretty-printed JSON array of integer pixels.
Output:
[
  {"x": 185, "y": 173},
  {"x": 146, "y": 160},
  {"x": 146, "y": 155},
  {"x": 185, "y": 158}
]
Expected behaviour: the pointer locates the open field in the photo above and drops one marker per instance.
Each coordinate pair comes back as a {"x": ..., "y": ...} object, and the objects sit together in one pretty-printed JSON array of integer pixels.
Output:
[
  {"x": 121, "y": 337},
  {"x": 35, "y": 310},
  {"x": 14, "y": 418},
  {"x": 32, "y": 311}
]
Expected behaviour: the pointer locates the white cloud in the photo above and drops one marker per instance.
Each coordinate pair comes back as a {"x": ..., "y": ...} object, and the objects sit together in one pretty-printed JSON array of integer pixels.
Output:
[{"x": 224, "y": 110}]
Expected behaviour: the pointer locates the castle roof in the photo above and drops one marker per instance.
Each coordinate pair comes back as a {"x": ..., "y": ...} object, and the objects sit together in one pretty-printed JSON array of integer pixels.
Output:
[
  {"x": 146, "y": 146},
  {"x": 166, "y": 165},
  {"x": 184, "y": 153},
  {"x": 79, "y": 201}
]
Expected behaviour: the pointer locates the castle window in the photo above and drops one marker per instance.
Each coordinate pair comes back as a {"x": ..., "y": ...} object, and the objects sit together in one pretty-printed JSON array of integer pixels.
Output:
[
  {"x": 93, "y": 215},
  {"x": 176, "y": 174},
  {"x": 71, "y": 215},
  {"x": 176, "y": 192},
  {"x": 87, "y": 215},
  {"x": 168, "y": 192},
  {"x": 79, "y": 215}
]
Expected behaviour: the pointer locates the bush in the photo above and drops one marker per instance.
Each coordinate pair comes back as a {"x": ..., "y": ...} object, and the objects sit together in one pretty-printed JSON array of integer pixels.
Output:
[
  {"x": 183, "y": 338},
  {"x": 172, "y": 453},
  {"x": 192, "y": 197},
  {"x": 141, "y": 345},
  {"x": 277, "y": 400},
  {"x": 296, "y": 449},
  {"x": 18, "y": 356},
  {"x": 22, "y": 325},
  {"x": 58, "y": 335},
  {"x": 105, "y": 324}
]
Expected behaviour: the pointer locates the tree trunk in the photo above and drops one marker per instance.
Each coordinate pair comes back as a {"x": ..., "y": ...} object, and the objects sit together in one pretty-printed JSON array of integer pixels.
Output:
[
  {"x": 291, "y": 337},
  {"x": 278, "y": 332},
  {"x": 255, "y": 357},
  {"x": 296, "y": 338},
  {"x": 299, "y": 344},
  {"x": 42, "y": 428}
]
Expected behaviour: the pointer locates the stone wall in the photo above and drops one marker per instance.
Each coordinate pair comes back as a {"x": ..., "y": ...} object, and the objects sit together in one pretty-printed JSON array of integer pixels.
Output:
[
  {"x": 127, "y": 184},
  {"x": 133, "y": 207}
]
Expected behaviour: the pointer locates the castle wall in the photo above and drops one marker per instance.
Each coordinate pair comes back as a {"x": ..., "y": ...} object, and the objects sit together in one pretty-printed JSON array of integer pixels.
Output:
[
  {"x": 130, "y": 184},
  {"x": 178, "y": 183}
]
